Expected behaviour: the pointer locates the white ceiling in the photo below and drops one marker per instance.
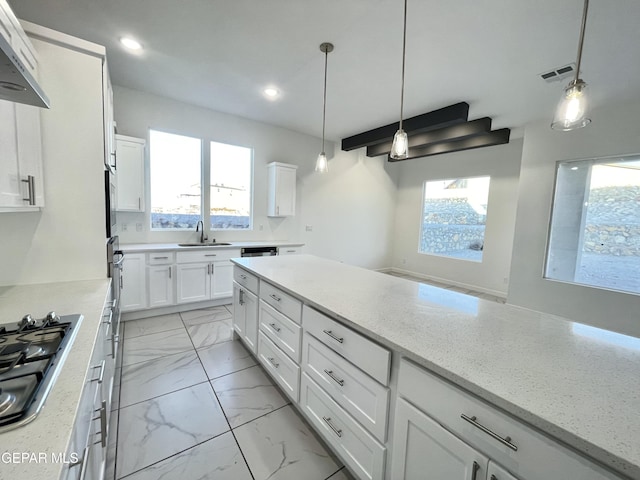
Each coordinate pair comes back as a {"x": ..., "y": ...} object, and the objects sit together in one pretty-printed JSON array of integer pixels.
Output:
[{"x": 220, "y": 54}]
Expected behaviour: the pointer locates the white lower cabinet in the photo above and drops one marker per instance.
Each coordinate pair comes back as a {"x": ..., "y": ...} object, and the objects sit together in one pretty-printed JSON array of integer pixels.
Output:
[
  {"x": 364, "y": 455},
  {"x": 430, "y": 409},
  {"x": 245, "y": 316},
  {"x": 134, "y": 282},
  {"x": 204, "y": 275},
  {"x": 160, "y": 282},
  {"x": 423, "y": 450}
]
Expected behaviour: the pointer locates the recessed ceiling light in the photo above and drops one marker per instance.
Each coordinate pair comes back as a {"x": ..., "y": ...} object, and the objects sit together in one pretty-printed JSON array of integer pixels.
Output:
[
  {"x": 130, "y": 43},
  {"x": 271, "y": 92}
]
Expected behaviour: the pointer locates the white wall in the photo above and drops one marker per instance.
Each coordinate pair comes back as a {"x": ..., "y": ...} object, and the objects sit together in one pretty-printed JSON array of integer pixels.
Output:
[
  {"x": 502, "y": 163},
  {"x": 614, "y": 131},
  {"x": 353, "y": 193},
  {"x": 66, "y": 240}
]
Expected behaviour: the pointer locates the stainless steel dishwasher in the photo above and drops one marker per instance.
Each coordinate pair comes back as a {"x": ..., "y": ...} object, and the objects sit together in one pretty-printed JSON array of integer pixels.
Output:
[{"x": 259, "y": 251}]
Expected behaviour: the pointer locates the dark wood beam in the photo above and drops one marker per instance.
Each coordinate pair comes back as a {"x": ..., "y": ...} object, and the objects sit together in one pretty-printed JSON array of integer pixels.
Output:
[
  {"x": 443, "y": 117},
  {"x": 454, "y": 132},
  {"x": 496, "y": 137}
]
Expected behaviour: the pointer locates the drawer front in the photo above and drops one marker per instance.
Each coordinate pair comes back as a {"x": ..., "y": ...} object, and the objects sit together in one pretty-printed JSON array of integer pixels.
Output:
[
  {"x": 207, "y": 255},
  {"x": 355, "y": 446},
  {"x": 281, "y": 367},
  {"x": 537, "y": 456},
  {"x": 246, "y": 279},
  {"x": 365, "y": 354},
  {"x": 161, "y": 258},
  {"x": 283, "y": 302},
  {"x": 282, "y": 331},
  {"x": 360, "y": 395}
]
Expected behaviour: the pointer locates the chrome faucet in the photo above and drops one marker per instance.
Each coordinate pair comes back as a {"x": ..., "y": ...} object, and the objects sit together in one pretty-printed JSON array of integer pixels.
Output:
[{"x": 202, "y": 235}]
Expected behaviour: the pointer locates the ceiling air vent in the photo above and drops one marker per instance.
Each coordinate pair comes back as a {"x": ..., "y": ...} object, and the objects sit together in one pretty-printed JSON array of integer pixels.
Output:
[{"x": 559, "y": 73}]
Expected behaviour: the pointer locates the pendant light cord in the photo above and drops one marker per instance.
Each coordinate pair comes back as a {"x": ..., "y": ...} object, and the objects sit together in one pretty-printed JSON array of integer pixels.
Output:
[
  {"x": 404, "y": 54},
  {"x": 324, "y": 100},
  {"x": 580, "y": 43}
]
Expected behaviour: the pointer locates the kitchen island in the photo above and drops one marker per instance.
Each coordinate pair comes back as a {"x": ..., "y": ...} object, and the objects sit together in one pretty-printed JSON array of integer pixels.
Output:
[
  {"x": 39, "y": 449},
  {"x": 577, "y": 384}
]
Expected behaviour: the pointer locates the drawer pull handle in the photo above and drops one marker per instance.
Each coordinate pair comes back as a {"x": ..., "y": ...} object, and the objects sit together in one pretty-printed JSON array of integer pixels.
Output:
[
  {"x": 337, "y": 431},
  {"x": 334, "y": 336},
  {"x": 275, "y": 297},
  {"x": 273, "y": 362},
  {"x": 493, "y": 477},
  {"x": 211, "y": 255},
  {"x": 160, "y": 258},
  {"x": 100, "y": 378},
  {"x": 476, "y": 467},
  {"x": 275, "y": 327},
  {"x": 244, "y": 277},
  {"x": 505, "y": 441},
  {"x": 333, "y": 377}
]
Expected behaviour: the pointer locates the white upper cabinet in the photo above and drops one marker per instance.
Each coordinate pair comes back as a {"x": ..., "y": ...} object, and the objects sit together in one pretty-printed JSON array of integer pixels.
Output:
[
  {"x": 130, "y": 173},
  {"x": 282, "y": 190},
  {"x": 21, "y": 171}
]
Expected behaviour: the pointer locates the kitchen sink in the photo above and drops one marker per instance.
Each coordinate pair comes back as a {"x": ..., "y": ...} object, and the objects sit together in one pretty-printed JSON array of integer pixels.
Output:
[{"x": 212, "y": 244}]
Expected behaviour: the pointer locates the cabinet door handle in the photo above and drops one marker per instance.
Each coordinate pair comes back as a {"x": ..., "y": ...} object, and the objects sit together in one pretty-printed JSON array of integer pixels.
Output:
[
  {"x": 139, "y": 203},
  {"x": 83, "y": 463},
  {"x": 333, "y": 377},
  {"x": 108, "y": 317},
  {"x": 31, "y": 184},
  {"x": 474, "y": 471},
  {"x": 505, "y": 441},
  {"x": 100, "y": 378},
  {"x": 337, "y": 431},
  {"x": 241, "y": 297},
  {"x": 170, "y": 272},
  {"x": 273, "y": 362},
  {"x": 275, "y": 327},
  {"x": 275, "y": 297},
  {"x": 103, "y": 423},
  {"x": 334, "y": 336},
  {"x": 493, "y": 477}
]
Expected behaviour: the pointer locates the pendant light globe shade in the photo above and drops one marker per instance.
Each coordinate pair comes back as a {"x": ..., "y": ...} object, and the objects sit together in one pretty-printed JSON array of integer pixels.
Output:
[
  {"x": 400, "y": 146},
  {"x": 322, "y": 166},
  {"x": 571, "y": 113}
]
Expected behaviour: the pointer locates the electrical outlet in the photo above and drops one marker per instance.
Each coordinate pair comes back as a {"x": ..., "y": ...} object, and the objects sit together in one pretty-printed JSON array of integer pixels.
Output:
[
  {"x": 125, "y": 227},
  {"x": 309, "y": 228},
  {"x": 138, "y": 227}
]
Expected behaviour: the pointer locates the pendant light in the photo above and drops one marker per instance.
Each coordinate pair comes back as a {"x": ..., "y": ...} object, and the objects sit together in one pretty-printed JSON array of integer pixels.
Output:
[
  {"x": 400, "y": 146},
  {"x": 572, "y": 108},
  {"x": 322, "y": 166}
]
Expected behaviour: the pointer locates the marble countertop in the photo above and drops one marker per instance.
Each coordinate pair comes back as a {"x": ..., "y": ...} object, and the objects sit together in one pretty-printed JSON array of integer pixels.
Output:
[
  {"x": 578, "y": 383},
  {"x": 49, "y": 433},
  {"x": 152, "y": 247}
]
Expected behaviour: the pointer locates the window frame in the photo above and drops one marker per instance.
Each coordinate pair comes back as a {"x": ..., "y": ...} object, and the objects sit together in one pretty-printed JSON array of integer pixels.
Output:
[
  {"x": 593, "y": 161},
  {"x": 422, "y": 214},
  {"x": 205, "y": 180}
]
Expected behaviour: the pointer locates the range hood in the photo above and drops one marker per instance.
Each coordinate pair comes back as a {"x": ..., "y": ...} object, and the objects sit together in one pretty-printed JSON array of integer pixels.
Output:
[{"x": 17, "y": 84}]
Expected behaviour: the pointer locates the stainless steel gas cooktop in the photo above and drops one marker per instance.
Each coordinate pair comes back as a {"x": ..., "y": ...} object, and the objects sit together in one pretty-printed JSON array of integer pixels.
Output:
[{"x": 31, "y": 355}]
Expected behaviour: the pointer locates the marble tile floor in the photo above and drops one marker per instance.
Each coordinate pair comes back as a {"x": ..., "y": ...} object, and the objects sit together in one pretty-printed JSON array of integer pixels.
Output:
[
  {"x": 453, "y": 288},
  {"x": 191, "y": 403}
]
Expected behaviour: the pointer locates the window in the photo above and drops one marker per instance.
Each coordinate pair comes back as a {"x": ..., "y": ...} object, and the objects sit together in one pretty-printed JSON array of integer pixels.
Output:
[
  {"x": 595, "y": 227},
  {"x": 453, "y": 217},
  {"x": 230, "y": 187},
  {"x": 175, "y": 166}
]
